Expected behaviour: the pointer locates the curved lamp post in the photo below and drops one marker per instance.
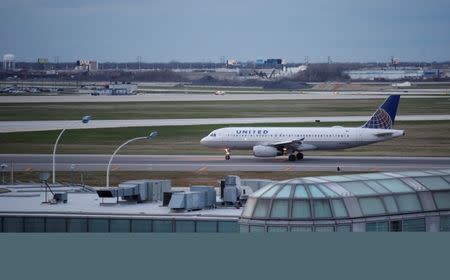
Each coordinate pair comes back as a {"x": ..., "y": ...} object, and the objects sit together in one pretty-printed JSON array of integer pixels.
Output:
[
  {"x": 3, "y": 166},
  {"x": 85, "y": 119},
  {"x": 152, "y": 135}
]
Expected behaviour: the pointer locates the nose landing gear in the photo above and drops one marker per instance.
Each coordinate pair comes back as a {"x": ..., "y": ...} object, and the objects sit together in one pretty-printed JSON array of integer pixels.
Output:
[{"x": 227, "y": 154}]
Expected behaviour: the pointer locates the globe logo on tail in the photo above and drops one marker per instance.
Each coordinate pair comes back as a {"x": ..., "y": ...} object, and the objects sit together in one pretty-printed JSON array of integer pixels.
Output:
[{"x": 380, "y": 119}]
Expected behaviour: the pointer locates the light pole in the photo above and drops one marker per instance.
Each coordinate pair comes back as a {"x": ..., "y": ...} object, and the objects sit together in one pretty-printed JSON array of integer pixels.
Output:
[
  {"x": 85, "y": 119},
  {"x": 72, "y": 169},
  {"x": 3, "y": 166},
  {"x": 152, "y": 135}
]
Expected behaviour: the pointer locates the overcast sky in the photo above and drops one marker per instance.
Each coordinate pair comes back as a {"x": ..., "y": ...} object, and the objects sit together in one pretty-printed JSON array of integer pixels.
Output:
[{"x": 205, "y": 30}]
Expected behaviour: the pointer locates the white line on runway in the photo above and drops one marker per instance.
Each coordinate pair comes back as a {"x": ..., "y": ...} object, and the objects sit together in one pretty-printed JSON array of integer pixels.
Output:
[{"x": 189, "y": 167}]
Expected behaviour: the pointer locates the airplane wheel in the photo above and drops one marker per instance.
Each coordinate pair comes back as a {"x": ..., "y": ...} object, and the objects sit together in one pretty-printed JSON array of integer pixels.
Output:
[
  {"x": 299, "y": 156},
  {"x": 227, "y": 157},
  {"x": 291, "y": 158}
]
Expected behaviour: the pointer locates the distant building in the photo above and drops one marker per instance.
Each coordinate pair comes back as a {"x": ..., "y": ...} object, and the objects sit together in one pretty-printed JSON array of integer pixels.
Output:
[
  {"x": 231, "y": 62},
  {"x": 8, "y": 62},
  {"x": 259, "y": 62},
  {"x": 87, "y": 65},
  {"x": 432, "y": 74},
  {"x": 445, "y": 73},
  {"x": 400, "y": 85},
  {"x": 287, "y": 71},
  {"x": 42, "y": 60},
  {"x": 42, "y": 63},
  {"x": 116, "y": 89},
  {"x": 274, "y": 61},
  {"x": 386, "y": 74}
]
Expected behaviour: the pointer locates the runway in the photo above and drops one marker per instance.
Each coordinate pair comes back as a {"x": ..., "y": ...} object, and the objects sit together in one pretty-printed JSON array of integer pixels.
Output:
[
  {"x": 202, "y": 163},
  {"x": 182, "y": 97},
  {"x": 23, "y": 126}
]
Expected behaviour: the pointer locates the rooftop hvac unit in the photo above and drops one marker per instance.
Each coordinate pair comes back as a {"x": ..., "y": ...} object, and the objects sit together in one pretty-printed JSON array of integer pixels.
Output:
[
  {"x": 142, "y": 191},
  {"x": 151, "y": 189},
  {"x": 130, "y": 192},
  {"x": 222, "y": 186},
  {"x": 167, "y": 196},
  {"x": 232, "y": 180},
  {"x": 138, "y": 190},
  {"x": 188, "y": 201},
  {"x": 178, "y": 201},
  {"x": 231, "y": 194},
  {"x": 157, "y": 188},
  {"x": 232, "y": 190},
  {"x": 235, "y": 192},
  {"x": 210, "y": 195},
  {"x": 195, "y": 200}
]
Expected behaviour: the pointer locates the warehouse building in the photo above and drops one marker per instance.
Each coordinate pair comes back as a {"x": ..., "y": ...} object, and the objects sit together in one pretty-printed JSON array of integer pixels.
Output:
[
  {"x": 401, "y": 201},
  {"x": 116, "y": 89},
  {"x": 386, "y": 74}
]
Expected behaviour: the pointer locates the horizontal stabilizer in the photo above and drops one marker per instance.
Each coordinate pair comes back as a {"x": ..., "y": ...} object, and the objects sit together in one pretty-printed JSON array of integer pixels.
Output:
[{"x": 384, "y": 134}]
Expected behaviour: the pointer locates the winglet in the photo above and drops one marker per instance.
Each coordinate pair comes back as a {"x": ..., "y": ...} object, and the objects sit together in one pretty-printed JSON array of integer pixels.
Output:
[{"x": 384, "y": 116}]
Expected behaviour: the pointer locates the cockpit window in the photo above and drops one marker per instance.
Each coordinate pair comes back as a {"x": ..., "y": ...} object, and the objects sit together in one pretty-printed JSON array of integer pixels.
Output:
[{"x": 212, "y": 135}]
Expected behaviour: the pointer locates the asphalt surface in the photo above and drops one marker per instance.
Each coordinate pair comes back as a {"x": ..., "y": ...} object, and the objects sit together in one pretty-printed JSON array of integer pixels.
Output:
[
  {"x": 158, "y": 97},
  {"x": 22, "y": 126},
  {"x": 200, "y": 163}
]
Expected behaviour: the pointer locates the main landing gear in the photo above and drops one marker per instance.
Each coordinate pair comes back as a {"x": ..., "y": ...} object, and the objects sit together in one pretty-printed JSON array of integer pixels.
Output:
[
  {"x": 294, "y": 157},
  {"x": 227, "y": 154}
]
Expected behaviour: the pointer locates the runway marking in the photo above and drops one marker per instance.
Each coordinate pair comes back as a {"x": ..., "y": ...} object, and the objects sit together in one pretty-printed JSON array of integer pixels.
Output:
[{"x": 196, "y": 163}]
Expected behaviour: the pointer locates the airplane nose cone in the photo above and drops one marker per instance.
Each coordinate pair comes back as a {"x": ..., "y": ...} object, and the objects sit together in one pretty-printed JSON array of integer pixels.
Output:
[{"x": 203, "y": 141}]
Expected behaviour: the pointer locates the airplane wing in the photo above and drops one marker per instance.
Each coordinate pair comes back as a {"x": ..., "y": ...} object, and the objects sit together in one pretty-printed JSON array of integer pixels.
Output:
[{"x": 294, "y": 143}]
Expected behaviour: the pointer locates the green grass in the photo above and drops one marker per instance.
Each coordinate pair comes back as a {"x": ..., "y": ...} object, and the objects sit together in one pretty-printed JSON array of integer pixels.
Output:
[
  {"x": 429, "y": 86},
  {"x": 179, "y": 179},
  {"x": 423, "y": 138},
  {"x": 214, "y": 109}
]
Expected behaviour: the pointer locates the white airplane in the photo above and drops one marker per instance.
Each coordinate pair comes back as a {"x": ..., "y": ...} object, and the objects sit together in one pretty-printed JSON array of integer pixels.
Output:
[{"x": 292, "y": 141}]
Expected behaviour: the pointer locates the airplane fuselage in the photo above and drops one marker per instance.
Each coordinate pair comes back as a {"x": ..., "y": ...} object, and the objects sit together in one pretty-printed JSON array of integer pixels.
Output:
[{"x": 322, "y": 138}]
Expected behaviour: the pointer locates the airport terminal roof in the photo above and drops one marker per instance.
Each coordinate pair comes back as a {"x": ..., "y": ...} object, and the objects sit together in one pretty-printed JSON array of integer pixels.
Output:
[
  {"x": 27, "y": 199},
  {"x": 351, "y": 196},
  {"x": 300, "y": 199}
]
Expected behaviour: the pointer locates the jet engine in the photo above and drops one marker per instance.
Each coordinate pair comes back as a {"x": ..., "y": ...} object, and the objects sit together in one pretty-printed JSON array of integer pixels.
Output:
[{"x": 266, "y": 151}]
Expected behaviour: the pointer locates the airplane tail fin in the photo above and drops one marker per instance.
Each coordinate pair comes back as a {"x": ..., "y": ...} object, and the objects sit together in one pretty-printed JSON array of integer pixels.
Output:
[{"x": 384, "y": 116}]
